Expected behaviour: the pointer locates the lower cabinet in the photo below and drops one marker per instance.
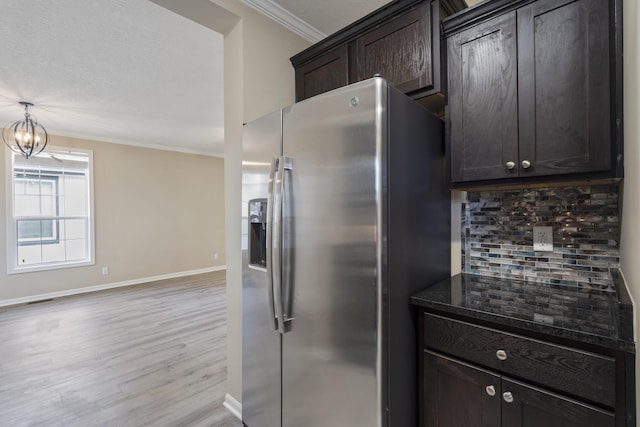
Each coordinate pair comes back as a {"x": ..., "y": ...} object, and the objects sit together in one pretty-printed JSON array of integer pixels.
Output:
[
  {"x": 457, "y": 394},
  {"x": 527, "y": 406},
  {"x": 484, "y": 376}
]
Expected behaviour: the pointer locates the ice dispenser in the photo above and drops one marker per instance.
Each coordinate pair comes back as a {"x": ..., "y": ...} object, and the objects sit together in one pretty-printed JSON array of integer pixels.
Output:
[{"x": 258, "y": 233}]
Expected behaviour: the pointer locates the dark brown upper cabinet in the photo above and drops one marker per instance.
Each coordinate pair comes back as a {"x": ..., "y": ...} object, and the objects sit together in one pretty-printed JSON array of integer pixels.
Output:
[
  {"x": 322, "y": 74},
  {"x": 535, "y": 92},
  {"x": 483, "y": 108},
  {"x": 402, "y": 51},
  {"x": 400, "y": 42}
]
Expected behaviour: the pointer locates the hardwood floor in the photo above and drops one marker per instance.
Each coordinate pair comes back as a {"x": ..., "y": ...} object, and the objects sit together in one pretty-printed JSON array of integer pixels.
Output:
[{"x": 146, "y": 355}]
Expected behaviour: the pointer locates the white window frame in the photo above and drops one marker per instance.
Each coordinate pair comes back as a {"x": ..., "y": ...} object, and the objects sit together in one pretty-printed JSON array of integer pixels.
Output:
[{"x": 12, "y": 255}]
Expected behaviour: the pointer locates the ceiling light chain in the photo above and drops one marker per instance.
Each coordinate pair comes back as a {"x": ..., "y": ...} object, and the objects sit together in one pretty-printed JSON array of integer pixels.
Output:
[{"x": 26, "y": 137}]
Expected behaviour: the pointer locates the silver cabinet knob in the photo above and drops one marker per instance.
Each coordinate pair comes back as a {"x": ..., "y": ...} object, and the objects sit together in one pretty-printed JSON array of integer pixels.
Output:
[
  {"x": 507, "y": 396},
  {"x": 491, "y": 390},
  {"x": 510, "y": 165},
  {"x": 501, "y": 354},
  {"x": 526, "y": 164}
]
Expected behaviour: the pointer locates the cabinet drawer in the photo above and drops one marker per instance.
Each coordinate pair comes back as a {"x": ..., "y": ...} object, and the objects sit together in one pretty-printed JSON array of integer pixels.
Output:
[{"x": 583, "y": 374}]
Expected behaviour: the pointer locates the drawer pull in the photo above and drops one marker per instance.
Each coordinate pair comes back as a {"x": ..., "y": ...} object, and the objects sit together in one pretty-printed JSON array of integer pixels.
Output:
[
  {"x": 491, "y": 390},
  {"x": 507, "y": 396},
  {"x": 501, "y": 354}
]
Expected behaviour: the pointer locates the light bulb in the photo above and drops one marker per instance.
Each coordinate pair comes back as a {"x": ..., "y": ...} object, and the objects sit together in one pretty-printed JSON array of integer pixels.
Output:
[
  {"x": 37, "y": 138},
  {"x": 18, "y": 136},
  {"x": 27, "y": 136}
]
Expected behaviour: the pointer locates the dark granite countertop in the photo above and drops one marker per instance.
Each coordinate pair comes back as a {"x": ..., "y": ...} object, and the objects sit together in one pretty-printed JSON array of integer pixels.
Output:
[{"x": 581, "y": 313}]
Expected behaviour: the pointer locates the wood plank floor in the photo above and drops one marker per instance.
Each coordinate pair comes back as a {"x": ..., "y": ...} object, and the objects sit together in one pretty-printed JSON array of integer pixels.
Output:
[{"x": 146, "y": 355}]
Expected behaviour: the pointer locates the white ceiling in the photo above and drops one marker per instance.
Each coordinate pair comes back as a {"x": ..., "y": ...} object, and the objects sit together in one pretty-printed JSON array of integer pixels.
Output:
[
  {"x": 124, "y": 71},
  {"x": 130, "y": 71}
]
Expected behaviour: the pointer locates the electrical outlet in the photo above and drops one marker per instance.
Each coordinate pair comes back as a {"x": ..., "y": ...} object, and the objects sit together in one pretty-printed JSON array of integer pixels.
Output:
[
  {"x": 105, "y": 271},
  {"x": 215, "y": 256},
  {"x": 543, "y": 239}
]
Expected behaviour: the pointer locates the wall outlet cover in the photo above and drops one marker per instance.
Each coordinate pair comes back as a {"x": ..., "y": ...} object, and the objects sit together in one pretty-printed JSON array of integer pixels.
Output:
[{"x": 543, "y": 239}]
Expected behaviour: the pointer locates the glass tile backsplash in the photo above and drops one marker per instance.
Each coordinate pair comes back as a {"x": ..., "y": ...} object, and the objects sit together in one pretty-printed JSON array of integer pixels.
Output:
[{"x": 497, "y": 234}]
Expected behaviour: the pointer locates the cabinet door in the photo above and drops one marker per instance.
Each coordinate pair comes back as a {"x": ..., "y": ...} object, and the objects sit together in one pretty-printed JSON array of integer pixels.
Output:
[
  {"x": 483, "y": 111},
  {"x": 564, "y": 87},
  {"x": 327, "y": 72},
  {"x": 528, "y": 406},
  {"x": 402, "y": 51},
  {"x": 456, "y": 394}
]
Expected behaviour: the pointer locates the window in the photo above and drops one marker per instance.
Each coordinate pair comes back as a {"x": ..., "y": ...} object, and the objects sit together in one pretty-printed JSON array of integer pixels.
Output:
[
  {"x": 50, "y": 221},
  {"x": 29, "y": 230}
]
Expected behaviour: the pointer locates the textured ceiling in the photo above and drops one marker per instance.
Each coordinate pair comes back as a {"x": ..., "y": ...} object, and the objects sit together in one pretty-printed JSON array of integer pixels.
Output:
[{"x": 124, "y": 71}]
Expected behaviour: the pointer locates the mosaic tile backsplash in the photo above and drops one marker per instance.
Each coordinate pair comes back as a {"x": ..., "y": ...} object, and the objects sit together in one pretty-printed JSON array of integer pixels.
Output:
[{"x": 497, "y": 234}]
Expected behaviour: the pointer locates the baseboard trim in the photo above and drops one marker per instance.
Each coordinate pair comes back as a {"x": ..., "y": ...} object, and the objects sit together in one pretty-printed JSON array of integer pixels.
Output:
[
  {"x": 233, "y": 406},
  {"x": 77, "y": 291}
]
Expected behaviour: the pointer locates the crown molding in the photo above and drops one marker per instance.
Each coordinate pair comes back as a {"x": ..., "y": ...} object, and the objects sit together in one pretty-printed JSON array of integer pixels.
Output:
[
  {"x": 286, "y": 19},
  {"x": 218, "y": 150}
]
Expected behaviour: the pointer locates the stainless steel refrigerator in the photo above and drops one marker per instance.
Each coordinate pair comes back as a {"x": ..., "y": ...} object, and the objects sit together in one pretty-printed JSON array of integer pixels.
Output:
[{"x": 346, "y": 214}]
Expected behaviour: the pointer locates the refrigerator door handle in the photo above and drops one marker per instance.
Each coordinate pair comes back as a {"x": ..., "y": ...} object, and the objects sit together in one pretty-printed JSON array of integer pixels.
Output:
[
  {"x": 270, "y": 201},
  {"x": 275, "y": 242},
  {"x": 284, "y": 163},
  {"x": 286, "y": 236}
]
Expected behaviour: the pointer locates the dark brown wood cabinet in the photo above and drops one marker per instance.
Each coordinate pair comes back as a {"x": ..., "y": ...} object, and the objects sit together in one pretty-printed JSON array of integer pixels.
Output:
[
  {"x": 403, "y": 51},
  {"x": 400, "y": 42},
  {"x": 480, "y": 376},
  {"x": 324, "y": 73},
  {"x": 563, "y": 87},
  {"x": 527, "y": 406},
  {"x": 457, "y": 394},
  {"x": 534, "y": 91},
  {"x": 483, "y": 108}
]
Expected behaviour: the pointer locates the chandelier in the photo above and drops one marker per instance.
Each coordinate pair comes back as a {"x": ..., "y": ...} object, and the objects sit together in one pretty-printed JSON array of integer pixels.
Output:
[{"x": 27, "y": 136}]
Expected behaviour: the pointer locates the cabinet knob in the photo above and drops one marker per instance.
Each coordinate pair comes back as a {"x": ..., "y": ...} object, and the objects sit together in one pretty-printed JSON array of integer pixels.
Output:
[
  {"x": 491, "y": 390},
  {"x": 507, "y": 396},
  {"x": 501, "y": 354},
  {"x": 526, "y": 164},
  {"x": 510, "y": 165}
]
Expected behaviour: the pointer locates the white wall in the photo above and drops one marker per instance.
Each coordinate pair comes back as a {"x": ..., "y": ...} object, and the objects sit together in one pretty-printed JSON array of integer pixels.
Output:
[
  {"x": 258, "y": 79},
  {"x": 156, "y": 213},
  {"x": 630, "y": 239}
]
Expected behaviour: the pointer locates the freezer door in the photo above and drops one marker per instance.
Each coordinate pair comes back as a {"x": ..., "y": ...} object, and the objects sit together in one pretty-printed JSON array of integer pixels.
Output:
[
  {"x": 261, "y": 344},
  {"x": 332, "y": 227}
]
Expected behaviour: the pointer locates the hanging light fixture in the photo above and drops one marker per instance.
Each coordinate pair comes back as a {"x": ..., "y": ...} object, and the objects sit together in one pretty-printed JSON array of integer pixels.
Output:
[{"x": 27, "y": 136}]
